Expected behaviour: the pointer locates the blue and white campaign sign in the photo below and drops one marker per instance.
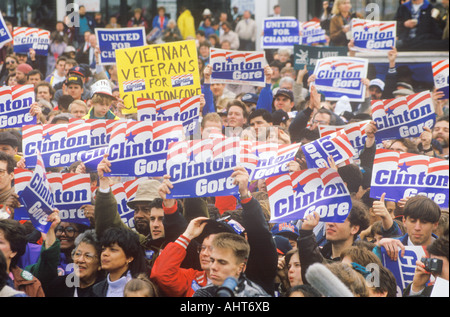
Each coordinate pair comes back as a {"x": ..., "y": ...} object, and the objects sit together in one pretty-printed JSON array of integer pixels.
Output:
[
  {"x": 403, "y": 269},
  {"x": 440, "y": 76},
  {"x": 15, "y": 105},
  {"x": 341, "y": 76},
  {"x": 281, "y": 32},
  {"x": 336, "y": 145},
  {"x": 312, "y": 33},
  {"x": 236, "y": 67},
  {"x": 5, "y": 35},
  {"x": 59, "y": 144},
  {"x": 273, "y": 159},
  {"x": 139, "y": 148},
  {"x": 37, "y": 197},
  {"x": 401, "y": 175},
  {"x": 111, "y": 39},
  {"x": 294, "y": 196},
  {"x": 356, "y": 134},
  {"x": 372, "y": 36},
  {"x": 71, "y": 192},
  {"x": 186, "y": 111},
  {"x": 403, "y": 117},
  {"x": 26, "y": 38},
  {"x": 203, "y": 168}
]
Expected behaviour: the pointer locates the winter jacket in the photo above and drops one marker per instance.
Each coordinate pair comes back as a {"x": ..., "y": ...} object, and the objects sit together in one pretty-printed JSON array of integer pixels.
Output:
[
  {"x": 261, "y": 265},
  {"x": 25, "y": 282}
]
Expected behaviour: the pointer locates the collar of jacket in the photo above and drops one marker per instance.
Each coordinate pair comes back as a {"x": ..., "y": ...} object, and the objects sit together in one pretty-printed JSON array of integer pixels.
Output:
[{"x": 423, "y": 7}]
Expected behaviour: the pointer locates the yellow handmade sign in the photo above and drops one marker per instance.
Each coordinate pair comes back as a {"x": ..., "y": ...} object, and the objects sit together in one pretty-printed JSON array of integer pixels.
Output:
[{"x": 160, "y": 72}]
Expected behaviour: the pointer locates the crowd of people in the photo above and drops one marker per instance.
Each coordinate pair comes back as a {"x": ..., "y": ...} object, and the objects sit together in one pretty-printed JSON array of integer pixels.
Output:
[{"x": 197, "y": 247}]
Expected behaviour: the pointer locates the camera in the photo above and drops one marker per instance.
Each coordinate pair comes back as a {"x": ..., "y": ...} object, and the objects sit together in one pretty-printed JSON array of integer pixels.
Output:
[{"x": 432, "y": 265}]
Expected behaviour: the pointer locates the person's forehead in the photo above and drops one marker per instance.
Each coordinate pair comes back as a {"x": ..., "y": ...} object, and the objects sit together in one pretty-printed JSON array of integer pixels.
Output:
[
  {"x": 235, "y": 109},
  {"x": 43, "y": 89},
  {"x": 258, "y": 119},
  {"x": 442, "y": 124}
]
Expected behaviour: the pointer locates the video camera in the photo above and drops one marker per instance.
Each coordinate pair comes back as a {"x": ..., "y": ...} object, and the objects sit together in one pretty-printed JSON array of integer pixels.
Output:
[{"x": 432, "y": 265}]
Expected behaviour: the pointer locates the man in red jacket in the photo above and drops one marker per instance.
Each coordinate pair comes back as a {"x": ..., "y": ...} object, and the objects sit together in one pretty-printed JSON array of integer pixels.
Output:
[{"x": 175, "y": 281}]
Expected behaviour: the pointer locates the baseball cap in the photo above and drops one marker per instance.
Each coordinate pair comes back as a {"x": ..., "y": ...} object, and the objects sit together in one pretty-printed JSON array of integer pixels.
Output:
[
  {"x": 103, "y": 87},
  {"x": 279, "y": 116},
  {"x": 284, "y": 92},
  {"x": 220, "y": 225},
  {"x": 73, "y": 79},
  {"x": 81, "y": 70},
  {"x": 250, "y": 98},
  {"x": 286, "y": 229},
  {"x": 378, "y": 83},
  {"x": 24, "y": 68}
]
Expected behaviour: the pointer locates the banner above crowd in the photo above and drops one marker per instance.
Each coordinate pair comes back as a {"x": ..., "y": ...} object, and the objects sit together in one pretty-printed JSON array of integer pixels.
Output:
[
  {"x": 5, "y": 35},
  {"x": 309, "y": 55},
  {"x": 341, "y": 76},
  {"x": 403, "y": 117},
  {"x": 236, "y": 67},
  {"x": 294, "y": 196},
  {"x": 26, "y": 38},
  {"x": 15, "y": 105},
  {"x": 372, "y": 36},
  {"x": 441, "y": 77},
  {"x": 160, "y": 71},
  {"x": 280, "y": 32},
  {"x": 109, "y": 40},
  {"x": 401, "y": 175}
]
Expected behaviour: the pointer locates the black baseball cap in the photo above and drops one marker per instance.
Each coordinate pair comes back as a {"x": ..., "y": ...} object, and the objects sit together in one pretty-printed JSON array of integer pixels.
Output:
[{"x": 284, "y": 92}]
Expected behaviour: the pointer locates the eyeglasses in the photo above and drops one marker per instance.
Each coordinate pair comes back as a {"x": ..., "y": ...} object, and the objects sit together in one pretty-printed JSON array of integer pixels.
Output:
[
  {"x": 69, "y": 231},
  {"x": 319, "y": 122},
  {"x": 88, "y": 258},
  {"x": 10, "y": 62}
]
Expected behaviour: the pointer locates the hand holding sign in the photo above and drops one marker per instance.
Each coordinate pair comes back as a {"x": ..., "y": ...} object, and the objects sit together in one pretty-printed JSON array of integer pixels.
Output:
[
  {"x": 164, "y": 190},
  {"x": 380, "y": 210},
  {"x": 241, "y": 178},
  {"x": 311, "y": 221},
  {"x": 392, "y": 246}
]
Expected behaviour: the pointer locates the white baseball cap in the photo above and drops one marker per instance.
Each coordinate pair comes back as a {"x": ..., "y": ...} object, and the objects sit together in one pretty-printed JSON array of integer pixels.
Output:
[{"x": 377, "y": 82}]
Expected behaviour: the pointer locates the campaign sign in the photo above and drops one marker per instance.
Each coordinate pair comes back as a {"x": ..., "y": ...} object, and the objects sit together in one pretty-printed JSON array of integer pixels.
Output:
[
  {"x": 71, "y": 192},
  {"x": 203, "y": 168},
  {"x": 124, "y": 192},
  {"x": 37, "y": 197},
  {"x": 59, "y": 144},
  {"x": 309, "y": 55},
  {"x": 401, "y": 175},
  {"x": 341, "y": 76},
  {"x": 312, "y": 33},
  {"x": 276, "y": 163},
  {"x": 26, "y": 38},
  {"x": 139, "y": 148},
  {"x": 356, "y": 134},
  {"x": 236, "y": 67},
  {"x": 281, "y": 32},
  {"x": 336, "y": 145},
  {"x": 109, "y": 40},
  {"x": 294, "y": 196},
  {"x": 403, "y": 269},
  {"x": 372, "y": 36},
  {"x": 403, "y": 117},
  {"x": 5, "y": 35},
  {"x": 15, "y": 105},
  {"x": 152, "y": 72},
  {"x": 440, "y": 76},
  {"x": 186, "y": 111}
]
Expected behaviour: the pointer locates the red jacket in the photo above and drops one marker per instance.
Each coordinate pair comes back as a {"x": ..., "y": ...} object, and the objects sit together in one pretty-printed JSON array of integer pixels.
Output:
[{"x": 173, "y": 280}]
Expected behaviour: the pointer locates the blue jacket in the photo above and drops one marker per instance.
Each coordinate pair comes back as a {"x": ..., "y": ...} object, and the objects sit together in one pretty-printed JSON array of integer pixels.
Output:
[{"x": 157, "y": 24}]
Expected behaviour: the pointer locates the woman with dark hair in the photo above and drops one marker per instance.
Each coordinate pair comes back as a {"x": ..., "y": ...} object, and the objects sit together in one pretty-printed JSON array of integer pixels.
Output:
[
  {"x": 13, "y": 244},
  {"x": 123, "y": 259}
]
